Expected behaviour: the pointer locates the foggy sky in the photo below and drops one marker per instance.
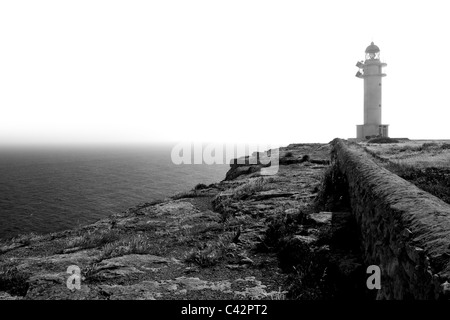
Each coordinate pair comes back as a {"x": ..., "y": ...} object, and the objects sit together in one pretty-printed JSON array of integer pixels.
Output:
[{"x": 223, "y": 71}]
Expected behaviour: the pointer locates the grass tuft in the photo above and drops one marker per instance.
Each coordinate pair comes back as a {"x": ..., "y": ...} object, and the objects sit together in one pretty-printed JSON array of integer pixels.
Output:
[
  {"x": 251, "y": 187},
  {"x": 133, "y": 245},
  {"x": 211, "y": 254},
  {"x": 93, "y": 239}
]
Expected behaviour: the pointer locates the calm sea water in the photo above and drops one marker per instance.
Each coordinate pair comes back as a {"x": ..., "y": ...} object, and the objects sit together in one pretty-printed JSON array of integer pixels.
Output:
[{"x": 52, "y": 189}]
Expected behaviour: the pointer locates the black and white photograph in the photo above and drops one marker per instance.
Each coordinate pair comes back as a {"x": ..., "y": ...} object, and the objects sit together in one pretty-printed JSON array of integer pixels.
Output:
[{"x": 224, "y": 158}]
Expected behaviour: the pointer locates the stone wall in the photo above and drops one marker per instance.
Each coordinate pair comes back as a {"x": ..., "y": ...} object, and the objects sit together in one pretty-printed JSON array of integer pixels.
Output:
[{"x": 404, "y": 230}]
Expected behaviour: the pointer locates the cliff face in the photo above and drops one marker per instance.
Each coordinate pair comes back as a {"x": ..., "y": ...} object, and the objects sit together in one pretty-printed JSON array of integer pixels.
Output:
[{"x": 213, "y": 242}]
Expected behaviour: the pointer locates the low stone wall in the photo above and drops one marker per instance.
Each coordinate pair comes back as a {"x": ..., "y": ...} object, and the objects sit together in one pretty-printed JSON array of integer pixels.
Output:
[{"x": 404, "y": 230}]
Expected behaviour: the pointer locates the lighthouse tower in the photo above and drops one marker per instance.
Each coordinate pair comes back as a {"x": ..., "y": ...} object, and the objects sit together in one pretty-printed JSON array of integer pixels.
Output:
[{"x": 371, "y": 72}]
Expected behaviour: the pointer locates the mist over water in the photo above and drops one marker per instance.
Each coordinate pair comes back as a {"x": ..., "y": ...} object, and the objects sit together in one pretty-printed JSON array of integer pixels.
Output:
[{"x": 53, "y": 188}]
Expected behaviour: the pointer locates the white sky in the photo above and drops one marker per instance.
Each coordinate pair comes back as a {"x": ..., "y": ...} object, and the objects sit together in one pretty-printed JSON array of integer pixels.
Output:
[{"x": 229, "y": 71}]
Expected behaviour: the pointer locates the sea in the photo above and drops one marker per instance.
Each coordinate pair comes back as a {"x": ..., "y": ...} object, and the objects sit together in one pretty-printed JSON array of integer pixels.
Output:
[{"x": 49, "y": 189}]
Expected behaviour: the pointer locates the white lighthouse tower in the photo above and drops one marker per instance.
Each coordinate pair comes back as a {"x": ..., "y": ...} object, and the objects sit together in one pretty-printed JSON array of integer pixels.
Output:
[{"x": 371, "y": 72}]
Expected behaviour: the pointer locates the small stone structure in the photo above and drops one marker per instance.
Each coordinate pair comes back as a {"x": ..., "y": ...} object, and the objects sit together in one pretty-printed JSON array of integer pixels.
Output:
[{"x": 404, "y": 230}]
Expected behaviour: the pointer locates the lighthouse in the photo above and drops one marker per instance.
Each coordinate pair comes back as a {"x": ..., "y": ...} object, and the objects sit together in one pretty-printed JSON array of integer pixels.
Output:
[{"x": 371, "y": 71}]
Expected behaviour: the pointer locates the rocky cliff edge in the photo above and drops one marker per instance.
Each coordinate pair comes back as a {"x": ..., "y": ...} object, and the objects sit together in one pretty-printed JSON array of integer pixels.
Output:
[{"x": 220, "y": 241}]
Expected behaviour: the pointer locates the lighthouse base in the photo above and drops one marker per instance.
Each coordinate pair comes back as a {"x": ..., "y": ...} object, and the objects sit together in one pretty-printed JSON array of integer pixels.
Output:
[{"x": 368, "y": 131}]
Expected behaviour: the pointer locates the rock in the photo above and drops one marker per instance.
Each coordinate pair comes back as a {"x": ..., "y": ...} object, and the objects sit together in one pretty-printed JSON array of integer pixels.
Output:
[
  {"x": 183, "y": 286},
  {"x": 446, "y": 288},
  {"x": 263, "y": 207},
  {"x": 246, "y": 260},
  {"x": 415, "y": 253},
  {"x": 236, "y": 266},
  {"x": 291, "y": 212},
  {"x": 255, "y": 292},
  {"x": 237, "y": 171},
  {"x": 314, "y": 232},
  {"x": 176, "y": 209},
  {"x": 191, "y": 270},
  {"x": 11, "y": 246},
  {"x": 295, "y": 251},
  {"x": 7, "y": 296},
  {"x": 71, "y": 250},
  {"x": 54, "y": 286},
  {"x": 146, "y": 290},
  {"x": 321, "y": 217},
  {"x": 264, "y": 195},
  {"x": 59, "y": 262},
  {"x": 129, "y": 265},
  {"x": 305, "y": 239},
  {"x": 406, "y": 233}
]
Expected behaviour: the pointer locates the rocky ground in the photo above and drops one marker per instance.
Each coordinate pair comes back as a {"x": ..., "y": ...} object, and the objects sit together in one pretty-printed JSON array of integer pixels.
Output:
[{"x": 247, "y": 237}]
